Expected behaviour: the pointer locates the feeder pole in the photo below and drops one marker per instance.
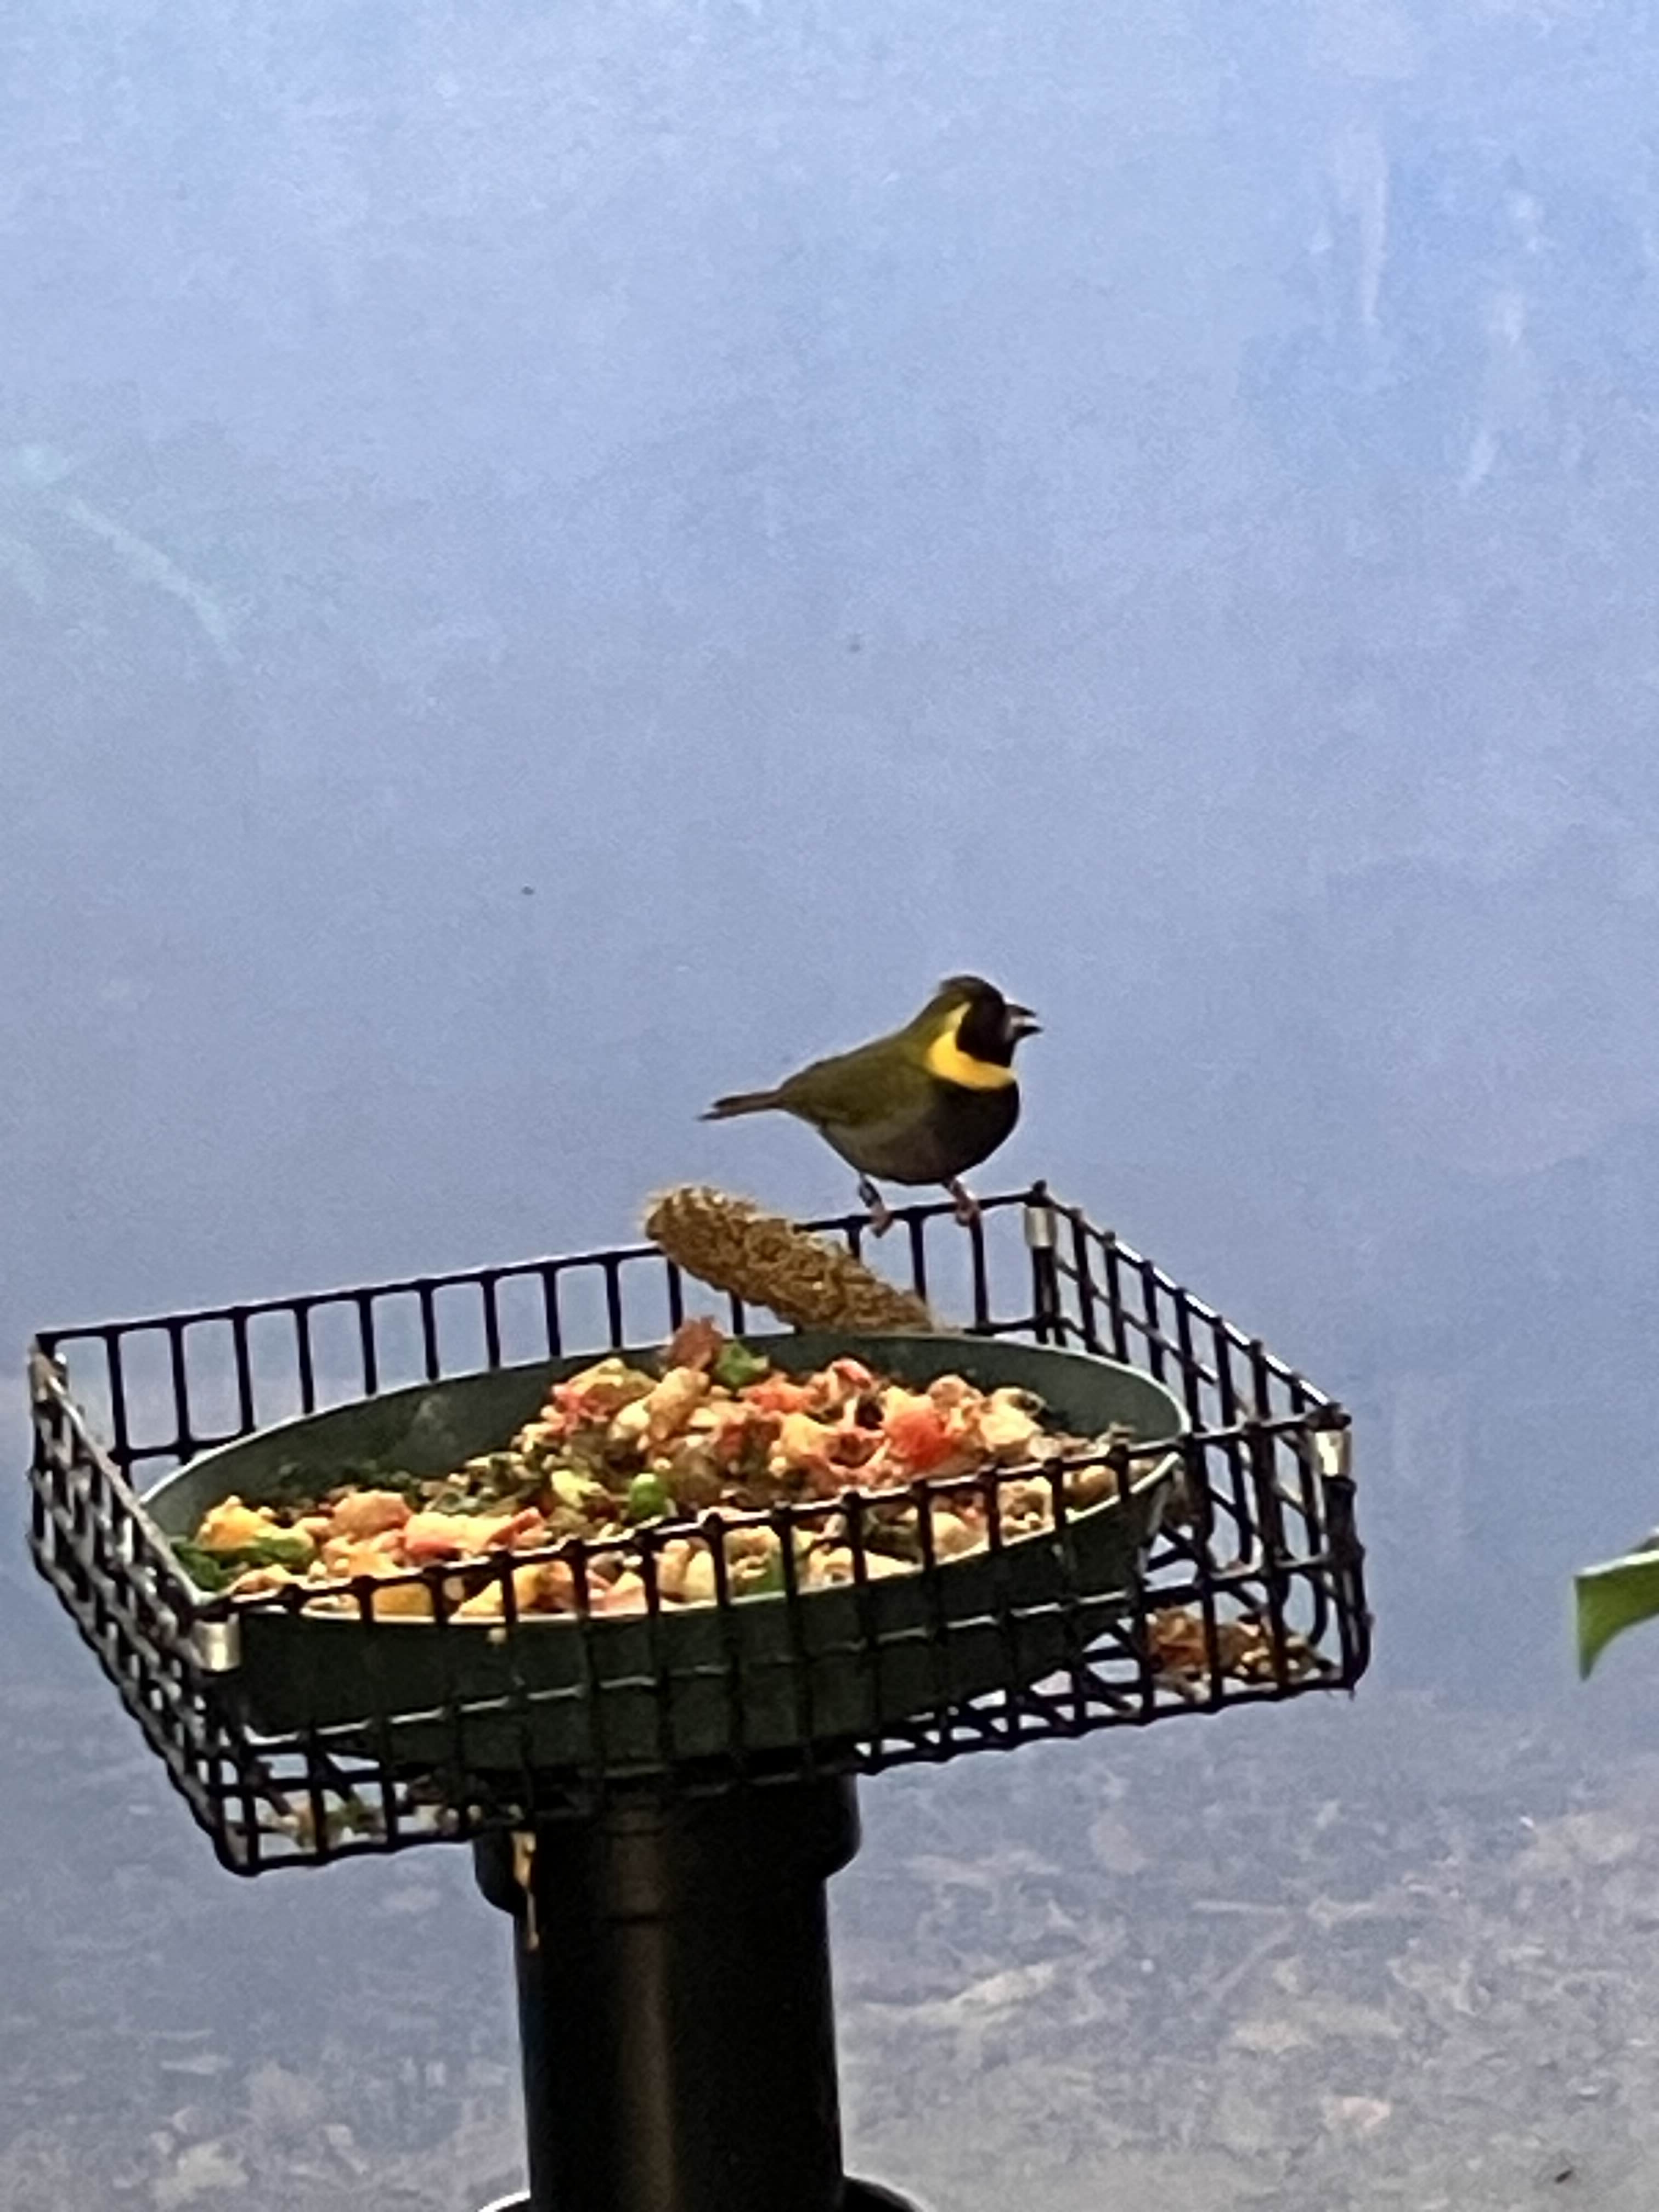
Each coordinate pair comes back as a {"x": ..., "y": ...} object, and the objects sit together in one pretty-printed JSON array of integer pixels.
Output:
[{"x": 675, "y": 2012}]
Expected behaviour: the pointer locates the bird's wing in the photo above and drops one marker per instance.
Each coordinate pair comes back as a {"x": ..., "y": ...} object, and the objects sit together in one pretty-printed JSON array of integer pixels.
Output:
[{"x": 858, "y": 1090}]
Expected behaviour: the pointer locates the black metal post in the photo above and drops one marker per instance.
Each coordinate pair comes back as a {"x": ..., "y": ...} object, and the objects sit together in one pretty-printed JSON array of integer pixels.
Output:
[{"x": 674, "y": 2001}]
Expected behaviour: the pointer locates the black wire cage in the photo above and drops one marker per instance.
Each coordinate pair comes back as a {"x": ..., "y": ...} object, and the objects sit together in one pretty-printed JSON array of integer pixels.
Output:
[
  {"x": 710, "y": 1846},
  {"x": 1254, "y": 1592}
]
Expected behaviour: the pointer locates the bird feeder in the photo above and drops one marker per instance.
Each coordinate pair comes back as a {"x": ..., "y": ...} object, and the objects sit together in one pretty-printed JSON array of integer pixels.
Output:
[{"x": 658, "y": 1800}]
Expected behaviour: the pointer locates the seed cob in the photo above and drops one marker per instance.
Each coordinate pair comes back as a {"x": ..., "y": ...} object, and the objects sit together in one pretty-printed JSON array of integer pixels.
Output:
[{"x": 765, "y": 1260}]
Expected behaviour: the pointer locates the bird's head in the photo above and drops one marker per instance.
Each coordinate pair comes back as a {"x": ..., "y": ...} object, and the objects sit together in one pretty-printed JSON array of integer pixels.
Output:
[{"x": 979, "y": 1021}]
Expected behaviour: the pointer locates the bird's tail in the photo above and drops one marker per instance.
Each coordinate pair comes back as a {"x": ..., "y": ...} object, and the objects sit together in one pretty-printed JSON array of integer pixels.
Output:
[{"x": 741, "y": 1101}]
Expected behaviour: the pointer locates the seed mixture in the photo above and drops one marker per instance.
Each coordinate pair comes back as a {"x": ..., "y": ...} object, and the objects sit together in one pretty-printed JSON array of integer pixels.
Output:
[
  {"x": 1248, "y": 1649},
  {"x": 619, "y": 1450}
]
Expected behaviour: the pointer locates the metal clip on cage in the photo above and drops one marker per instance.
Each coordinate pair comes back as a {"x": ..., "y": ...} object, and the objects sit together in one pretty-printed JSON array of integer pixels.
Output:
[{"x": 658, "y": 1803}]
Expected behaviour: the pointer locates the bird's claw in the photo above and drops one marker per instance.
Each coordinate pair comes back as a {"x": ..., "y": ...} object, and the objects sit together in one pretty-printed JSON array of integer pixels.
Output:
[
  {"x": 881, "y": 1214},
  {"x": 966, "y": 1206}
]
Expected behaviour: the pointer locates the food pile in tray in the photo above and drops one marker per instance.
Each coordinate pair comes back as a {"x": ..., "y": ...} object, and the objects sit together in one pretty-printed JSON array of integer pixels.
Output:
[{"x": 619, "y": 1450}]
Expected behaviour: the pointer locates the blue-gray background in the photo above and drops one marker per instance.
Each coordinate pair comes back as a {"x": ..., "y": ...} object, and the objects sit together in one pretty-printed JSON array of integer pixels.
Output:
[{"x": 557, "y": 561}]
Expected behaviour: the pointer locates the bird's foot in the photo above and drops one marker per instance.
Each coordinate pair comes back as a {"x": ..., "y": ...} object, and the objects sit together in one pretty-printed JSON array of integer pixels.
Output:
[
  {"x": 967, "y": 1206},
  {"x": 881, "y": 1214}
]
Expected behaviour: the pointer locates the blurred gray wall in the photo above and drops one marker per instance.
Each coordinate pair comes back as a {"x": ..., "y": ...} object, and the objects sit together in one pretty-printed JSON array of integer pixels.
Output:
[{"x": 555, "y": 561}]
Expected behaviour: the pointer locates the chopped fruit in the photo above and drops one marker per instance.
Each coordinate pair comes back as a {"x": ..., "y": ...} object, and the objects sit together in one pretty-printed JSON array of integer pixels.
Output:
[{"x": 687, "y": 1478}]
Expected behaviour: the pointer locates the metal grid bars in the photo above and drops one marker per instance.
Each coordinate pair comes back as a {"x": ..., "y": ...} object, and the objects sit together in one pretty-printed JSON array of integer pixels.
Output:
[{"x": 1250, "y": 1588}]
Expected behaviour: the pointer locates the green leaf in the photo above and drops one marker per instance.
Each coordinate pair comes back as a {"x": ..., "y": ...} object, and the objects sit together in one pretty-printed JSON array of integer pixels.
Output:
[{"x": 1613, "y": 1598}]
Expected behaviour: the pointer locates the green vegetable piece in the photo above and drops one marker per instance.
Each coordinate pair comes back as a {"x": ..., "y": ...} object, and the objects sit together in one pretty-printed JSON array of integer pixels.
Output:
[
  {"x": 648, "y": 1498},
  {"x": 284, "y": 1547},
  {"x": 1614, "y": 1597},
  {"x": 736, "y": 1366},
  {"x": 216, "y": 1571},
  {"x": 761, "y": 1578},
  {"x": 205, "y": 1569},
  {"x": 578, "y": 1491}
]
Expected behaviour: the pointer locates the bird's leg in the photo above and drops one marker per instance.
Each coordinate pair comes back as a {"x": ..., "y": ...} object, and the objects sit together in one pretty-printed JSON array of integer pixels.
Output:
[
  {"x": 881, "y": 1214},
  {"x": 966, "y": 1204}
]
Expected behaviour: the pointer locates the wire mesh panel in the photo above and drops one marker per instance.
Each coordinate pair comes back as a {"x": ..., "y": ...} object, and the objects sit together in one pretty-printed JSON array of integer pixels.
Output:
[{"x": 1228, "y": 1571}]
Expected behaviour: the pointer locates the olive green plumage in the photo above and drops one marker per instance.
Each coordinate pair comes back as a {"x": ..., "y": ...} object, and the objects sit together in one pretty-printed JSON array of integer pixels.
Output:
[{"x": 922, "y": 1104}]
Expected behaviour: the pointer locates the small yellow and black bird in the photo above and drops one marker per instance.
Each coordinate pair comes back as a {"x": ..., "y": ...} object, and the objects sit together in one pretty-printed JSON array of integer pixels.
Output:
[{"x": 922, "y": 1104}]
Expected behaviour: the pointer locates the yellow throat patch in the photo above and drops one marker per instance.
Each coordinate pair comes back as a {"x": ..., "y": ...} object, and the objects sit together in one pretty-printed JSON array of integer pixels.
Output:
[{"x": 946, "y": 1059}]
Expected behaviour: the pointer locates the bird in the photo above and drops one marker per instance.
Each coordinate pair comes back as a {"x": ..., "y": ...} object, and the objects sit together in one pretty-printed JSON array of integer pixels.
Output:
[{"x": 922, "y": 1104}]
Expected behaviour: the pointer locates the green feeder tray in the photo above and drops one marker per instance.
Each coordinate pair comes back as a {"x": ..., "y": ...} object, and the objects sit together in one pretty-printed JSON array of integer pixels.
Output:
[{"x": 633, "y": 1695}]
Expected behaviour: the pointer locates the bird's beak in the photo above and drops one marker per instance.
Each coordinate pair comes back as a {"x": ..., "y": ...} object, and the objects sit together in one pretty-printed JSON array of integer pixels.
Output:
[{"x": 1023, "y": 1022}]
